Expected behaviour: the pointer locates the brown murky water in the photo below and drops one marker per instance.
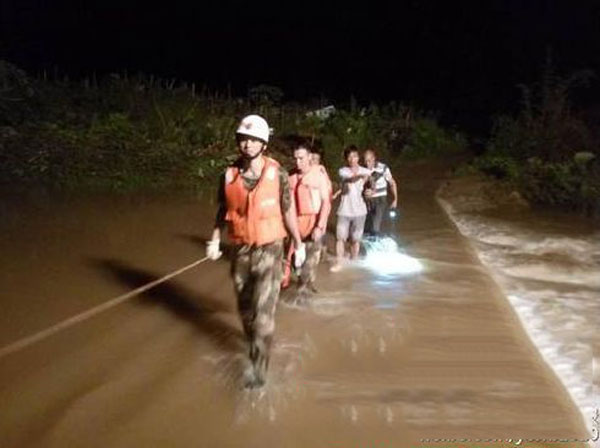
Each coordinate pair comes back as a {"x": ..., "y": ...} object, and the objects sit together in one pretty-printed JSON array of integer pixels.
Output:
[
  {"x": 547, "y": 265},
  {"x": 373, "y": 361}
]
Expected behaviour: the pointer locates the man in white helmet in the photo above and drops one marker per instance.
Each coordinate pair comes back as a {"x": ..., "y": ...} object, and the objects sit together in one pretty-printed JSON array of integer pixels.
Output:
[{"x": 255, "y": 204}]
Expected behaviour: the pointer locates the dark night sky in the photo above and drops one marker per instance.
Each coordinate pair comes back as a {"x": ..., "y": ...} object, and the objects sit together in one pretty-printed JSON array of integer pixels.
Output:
[{"x": 460, "y": 57}]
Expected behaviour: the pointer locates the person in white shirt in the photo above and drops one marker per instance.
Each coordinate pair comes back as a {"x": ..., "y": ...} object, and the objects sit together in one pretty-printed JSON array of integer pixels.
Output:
[
  {"x": 376, "y": 192},
  {"x": 352, "y": 211}
]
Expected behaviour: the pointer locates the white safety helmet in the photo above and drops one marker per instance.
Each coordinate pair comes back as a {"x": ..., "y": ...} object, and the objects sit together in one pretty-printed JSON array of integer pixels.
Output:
[{"x": 254, "y": 126}]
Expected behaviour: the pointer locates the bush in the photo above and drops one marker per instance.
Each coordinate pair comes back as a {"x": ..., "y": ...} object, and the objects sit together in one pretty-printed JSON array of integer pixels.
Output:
[
  {"x": 546, "y": 149},
  {"x": 428, "y": 139},
  {"x": 136, "y": 132},
  {"x": 499, "y": 167},
  {"x": 16, "y": 91},
  {"x": 572, "y": 185}
]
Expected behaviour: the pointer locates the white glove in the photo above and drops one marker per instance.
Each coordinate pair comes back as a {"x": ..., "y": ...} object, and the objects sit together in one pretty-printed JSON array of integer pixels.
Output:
[
  {"x": 212, "y": 249},
  {"x": 299, "y": 256}
]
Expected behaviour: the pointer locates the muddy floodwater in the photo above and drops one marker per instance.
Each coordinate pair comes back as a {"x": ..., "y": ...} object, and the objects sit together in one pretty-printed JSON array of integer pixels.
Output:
[
  {"x": 381, "y": 357},
  {"x": 548, "y": 266}
]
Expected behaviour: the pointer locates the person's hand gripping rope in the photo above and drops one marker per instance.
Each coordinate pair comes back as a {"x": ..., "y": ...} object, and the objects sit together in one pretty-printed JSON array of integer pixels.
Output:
[
  {"x": 212, "y": 249},
  {"x": 299, "y": 255}
]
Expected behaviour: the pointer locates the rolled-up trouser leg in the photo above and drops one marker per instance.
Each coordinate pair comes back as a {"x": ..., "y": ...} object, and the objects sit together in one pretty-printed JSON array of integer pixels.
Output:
[
  {"x": 308, "y": 272},
  {"x": 257, "y": 273}
]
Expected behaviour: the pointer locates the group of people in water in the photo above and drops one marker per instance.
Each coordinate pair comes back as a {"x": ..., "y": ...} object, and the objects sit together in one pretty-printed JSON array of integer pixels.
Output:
[{"x": 277, "y": 219}]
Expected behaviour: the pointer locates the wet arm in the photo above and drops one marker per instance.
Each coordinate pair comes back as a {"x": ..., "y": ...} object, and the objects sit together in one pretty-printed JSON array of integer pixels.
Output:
[
  {"x": 394, "y": 188},
  {"x": 291, "y": 224},
  {"x": 290, "y": 220},
  {"x": 221, "y": 211},
  {"x": 324, "y": 212},
  {"x": 354, "y": 178}
]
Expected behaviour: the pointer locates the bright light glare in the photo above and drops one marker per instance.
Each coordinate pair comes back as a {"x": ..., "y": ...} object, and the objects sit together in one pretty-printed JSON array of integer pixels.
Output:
[{"x": 384, "y": 258}]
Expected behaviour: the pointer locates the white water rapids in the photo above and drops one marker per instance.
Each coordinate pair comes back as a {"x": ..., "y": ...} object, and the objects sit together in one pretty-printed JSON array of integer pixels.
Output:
[{"x": 548, "y": 267}]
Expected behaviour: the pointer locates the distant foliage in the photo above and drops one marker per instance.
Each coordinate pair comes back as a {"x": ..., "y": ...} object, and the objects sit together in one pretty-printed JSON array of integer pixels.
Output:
[
  {"x": 265, "y": 95},
  {"x": 573, "y": 184},
  {"x": 428, "y": 139},
  {"x": 498, "y": 166},
  {"x": 126, "y": 132},
  {"x": 15, "y": 92},
  {"x": 540, "y": 149}
]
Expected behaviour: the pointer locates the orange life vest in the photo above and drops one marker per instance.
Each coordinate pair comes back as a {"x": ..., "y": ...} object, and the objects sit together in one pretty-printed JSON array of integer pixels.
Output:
[
  {"x": 254, "y": 216},
  {"x": 307, "y": 197}
]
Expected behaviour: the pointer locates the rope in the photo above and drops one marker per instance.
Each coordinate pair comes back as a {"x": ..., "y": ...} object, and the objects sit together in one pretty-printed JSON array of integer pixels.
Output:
[{"x": 29, "y": 340}]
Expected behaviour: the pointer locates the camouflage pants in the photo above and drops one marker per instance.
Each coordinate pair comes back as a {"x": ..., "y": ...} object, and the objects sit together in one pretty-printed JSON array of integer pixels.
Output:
[
  {"x": 308, "y": 271},
  {"x": 257, "y": 273}
]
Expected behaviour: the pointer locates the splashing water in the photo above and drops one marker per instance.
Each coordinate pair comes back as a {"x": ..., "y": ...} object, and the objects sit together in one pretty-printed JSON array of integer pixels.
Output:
[
  {"x": 548, "y": 270},
  {"x": 385, "y": 258}
]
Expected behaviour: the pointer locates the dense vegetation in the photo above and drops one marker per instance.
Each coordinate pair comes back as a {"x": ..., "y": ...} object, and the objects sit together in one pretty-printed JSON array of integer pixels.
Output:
[
  {"x": 124, "y": 132},
  {"x": 548, "y": 151}
]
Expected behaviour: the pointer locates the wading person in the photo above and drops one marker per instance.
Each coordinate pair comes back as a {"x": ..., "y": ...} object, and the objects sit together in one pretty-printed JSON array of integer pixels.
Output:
[
  {"x": 352, "y": 211},
  {"x": 376, "y": 192},
  {"x": 255, "y": 203},
  {"x": 311, "y": 193}
]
